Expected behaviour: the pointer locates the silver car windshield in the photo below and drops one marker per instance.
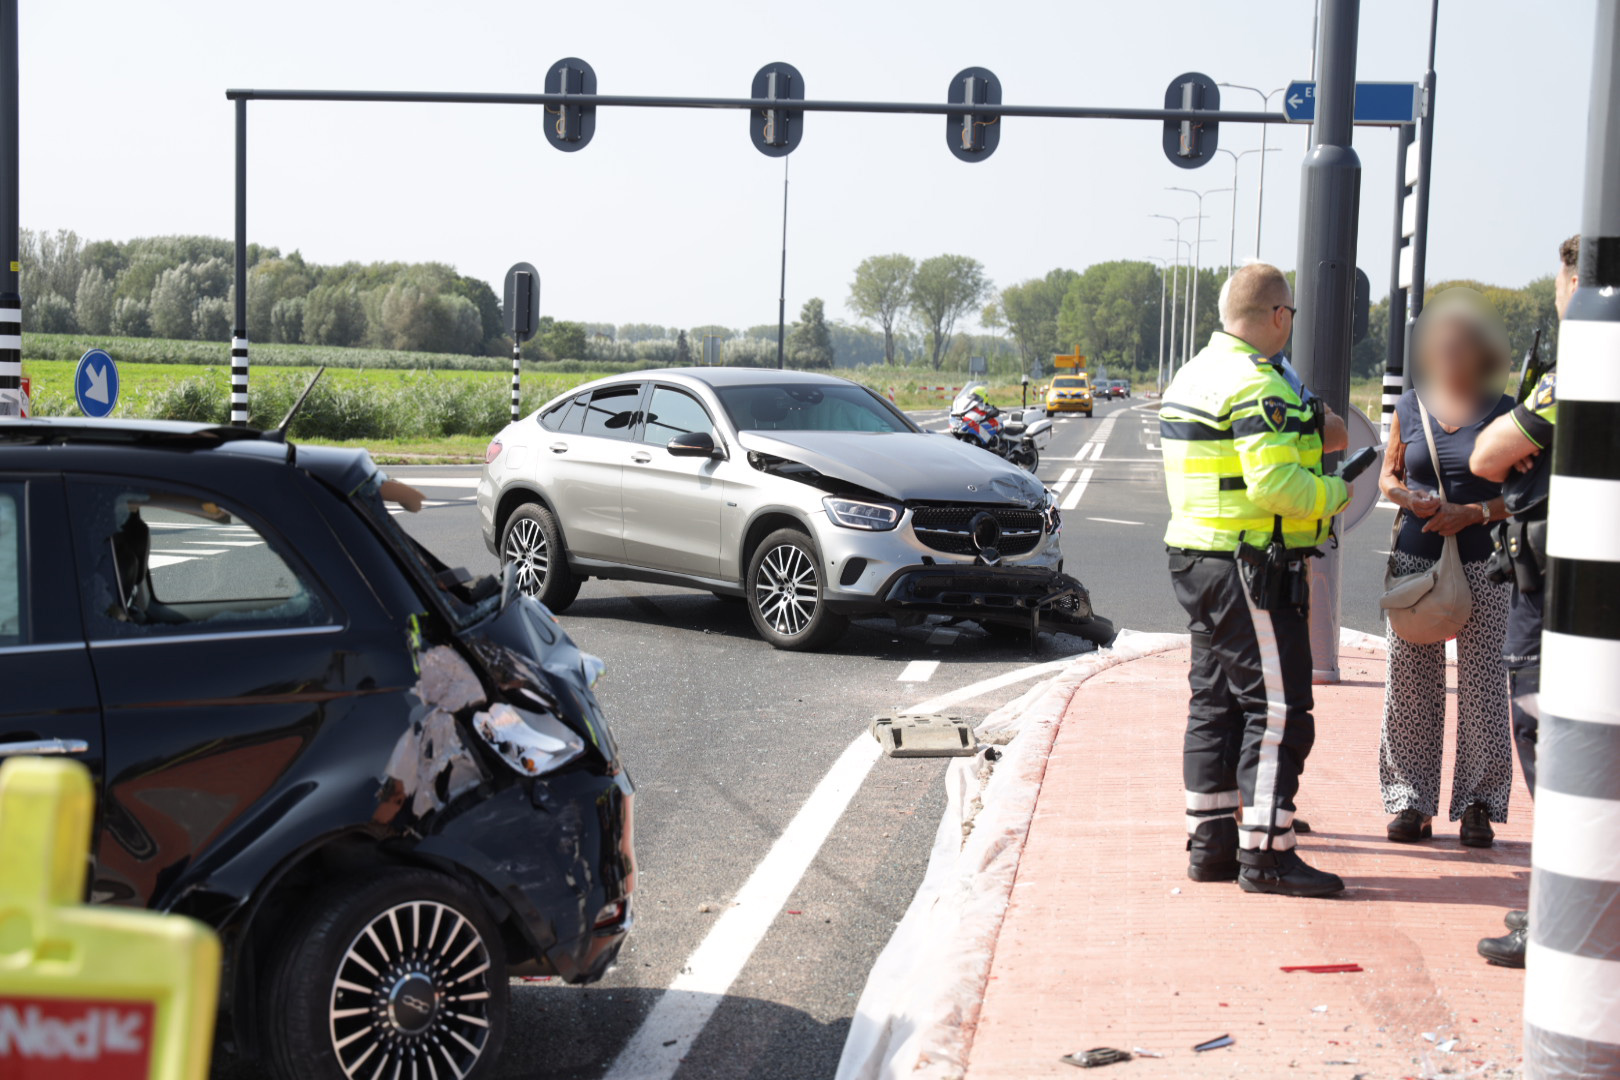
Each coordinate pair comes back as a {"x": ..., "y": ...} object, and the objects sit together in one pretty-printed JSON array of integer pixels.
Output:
[{"x": 833, "y": 407}]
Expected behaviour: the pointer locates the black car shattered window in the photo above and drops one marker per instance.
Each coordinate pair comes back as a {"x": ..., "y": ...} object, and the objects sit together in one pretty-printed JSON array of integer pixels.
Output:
[{"x": 160, "y": 562}]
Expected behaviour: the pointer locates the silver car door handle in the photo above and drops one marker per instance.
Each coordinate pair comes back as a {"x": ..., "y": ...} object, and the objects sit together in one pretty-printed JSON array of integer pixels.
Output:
[
  {"x": 559, "y": 448},
  {"x": 33, "y": 747},
  {"x": 640, "y": 458}
]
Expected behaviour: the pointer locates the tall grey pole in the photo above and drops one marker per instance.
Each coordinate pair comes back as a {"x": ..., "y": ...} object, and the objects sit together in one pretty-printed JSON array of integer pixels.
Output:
[
  {"x": 781, "y": 296},
  {"x": 1395, "y": 349},
  {"x": 1197, "y": 263},
  {"x": 239, "y": 335},
  {"x": 1420, "y": 235},
  {"x": 1260, "y": 192},
  {"x": 11, "y": 397},
  {"x": 1163, "y": 281},
  {"x": 1175, "y": 278},
  {"x": 1330, "y": 198},
  {"x": 1572, "y": 962}
]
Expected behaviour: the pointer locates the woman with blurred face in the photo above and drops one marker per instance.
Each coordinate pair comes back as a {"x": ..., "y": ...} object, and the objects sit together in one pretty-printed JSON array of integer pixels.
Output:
[{"x": 1462, "y": 357}]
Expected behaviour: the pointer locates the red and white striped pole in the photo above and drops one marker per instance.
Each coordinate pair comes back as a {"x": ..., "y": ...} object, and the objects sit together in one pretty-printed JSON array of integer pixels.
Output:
[{"x": 1572, "y": 961}]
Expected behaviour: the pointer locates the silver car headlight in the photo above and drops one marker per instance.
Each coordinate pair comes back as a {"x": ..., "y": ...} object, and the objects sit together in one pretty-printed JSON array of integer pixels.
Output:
[
  {"x": 1054, "y": 519},
  {"x": 872, "y": 517}
]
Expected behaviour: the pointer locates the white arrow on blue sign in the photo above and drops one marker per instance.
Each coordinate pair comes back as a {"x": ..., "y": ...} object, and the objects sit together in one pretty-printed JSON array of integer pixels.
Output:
[
  {"x": 1376, "y": 102},
  {"x": 95, "y": 384}
]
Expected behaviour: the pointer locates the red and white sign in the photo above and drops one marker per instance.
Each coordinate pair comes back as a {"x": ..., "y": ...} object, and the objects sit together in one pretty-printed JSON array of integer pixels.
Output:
[{"x": 75, "y": 1039}]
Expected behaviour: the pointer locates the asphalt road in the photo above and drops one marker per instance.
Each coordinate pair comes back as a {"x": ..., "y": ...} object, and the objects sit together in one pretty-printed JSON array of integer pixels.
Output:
[{"x": 728, "y": 741}]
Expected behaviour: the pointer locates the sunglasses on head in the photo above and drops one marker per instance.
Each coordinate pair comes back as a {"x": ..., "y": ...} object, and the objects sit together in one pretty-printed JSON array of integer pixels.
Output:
[{"x": 1284, "y": 307}]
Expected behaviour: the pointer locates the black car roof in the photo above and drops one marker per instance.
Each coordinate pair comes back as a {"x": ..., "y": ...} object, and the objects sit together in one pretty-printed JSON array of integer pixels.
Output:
[{"x": 342, "y": 467}]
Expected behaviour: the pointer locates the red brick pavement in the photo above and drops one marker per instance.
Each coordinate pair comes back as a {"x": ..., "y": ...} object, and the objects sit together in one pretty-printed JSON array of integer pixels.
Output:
[{"x": 1107, "y": 943}]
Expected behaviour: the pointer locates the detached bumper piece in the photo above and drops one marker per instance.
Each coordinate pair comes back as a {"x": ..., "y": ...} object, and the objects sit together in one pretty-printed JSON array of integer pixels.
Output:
[
  {"x": 920, "y": 735},
  {"x": 1016, "y": 596}
]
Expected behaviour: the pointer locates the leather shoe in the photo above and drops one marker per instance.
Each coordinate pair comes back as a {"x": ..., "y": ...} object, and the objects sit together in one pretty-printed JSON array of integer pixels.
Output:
[
  {"x": 1517, "y": 919},
  {"x": 1409, "y": 826},
  {"x": 1284, "y": 873},
  {"x": 1507, "y": 950},
  {"x": 1476, "y": 827}
]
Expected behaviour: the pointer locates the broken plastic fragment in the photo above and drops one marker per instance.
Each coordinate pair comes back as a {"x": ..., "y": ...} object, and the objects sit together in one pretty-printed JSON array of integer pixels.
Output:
[
  {"x": 1448, "y": 1046},
  {"x": 1319, "y": 1009},
  {"x": 448, "y": 682},
  {"x": 1215, "y": 1043},
  {"x": 1096, "y": 1058},
  {"x": 428, "y": 750},
  {"x": 1139, "y": 1052},
  {"x": 1325, "y": 969},
  {"x": 532, "y": 743}
]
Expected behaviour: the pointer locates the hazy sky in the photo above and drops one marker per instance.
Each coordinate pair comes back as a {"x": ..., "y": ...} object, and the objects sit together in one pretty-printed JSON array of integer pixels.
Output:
[{"x": 673, "y": 217}]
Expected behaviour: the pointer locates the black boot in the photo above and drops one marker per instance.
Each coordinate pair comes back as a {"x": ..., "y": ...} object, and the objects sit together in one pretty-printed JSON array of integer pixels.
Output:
[
  {"x": 1284, "y": 873},
  {"x": 1517, "y": 919},
  {"x": 1507, "y": 950},
  {"x": 1212, "y": 850},
  {"x": 1476, "y": 828}
]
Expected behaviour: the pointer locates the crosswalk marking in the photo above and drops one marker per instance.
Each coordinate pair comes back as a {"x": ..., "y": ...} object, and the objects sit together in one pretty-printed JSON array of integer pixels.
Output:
[{"x": 919, "y": 671}]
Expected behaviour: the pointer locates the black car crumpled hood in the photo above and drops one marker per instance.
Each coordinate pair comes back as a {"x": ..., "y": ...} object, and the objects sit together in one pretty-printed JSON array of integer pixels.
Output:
[{"x": 904, "y": 465}]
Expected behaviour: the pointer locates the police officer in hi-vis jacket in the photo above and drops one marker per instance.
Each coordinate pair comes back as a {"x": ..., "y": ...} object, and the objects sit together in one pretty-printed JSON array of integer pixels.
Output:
[{"x": 1243, "y": 441}]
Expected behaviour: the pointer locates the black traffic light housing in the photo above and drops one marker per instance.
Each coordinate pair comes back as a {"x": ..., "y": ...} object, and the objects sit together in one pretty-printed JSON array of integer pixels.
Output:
[
  {"x": 776, "y": 132},
  {"x": 570, "y": 127},
  {"x": 1191, "y": 143},
  {"x": 973, "y": 136}
]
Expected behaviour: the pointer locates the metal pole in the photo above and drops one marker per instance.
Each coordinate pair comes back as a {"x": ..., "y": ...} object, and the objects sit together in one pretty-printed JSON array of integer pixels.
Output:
[
  {"x": 1260, "y": 194},
  {"x": 1163, "y": 280},
  {"x": 1231, "y": 243},
  {"x": 781, "y": 296},
  {"x": 1420, "y": 235},
  {"x": 1197, "y": 262},
  {"x": 11, "y": 397},
  {"x": 239, "y": 336},
  {"x": 1175, "y": 279},
  {"x": 1395, "y": 350},
  {"x": 1572, "y": 960},
  {"x": 1330, "y": 198}
]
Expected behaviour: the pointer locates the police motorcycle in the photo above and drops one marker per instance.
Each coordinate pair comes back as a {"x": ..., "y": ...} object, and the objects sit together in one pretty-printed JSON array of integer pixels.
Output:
[{"x": 974, "y": 420}]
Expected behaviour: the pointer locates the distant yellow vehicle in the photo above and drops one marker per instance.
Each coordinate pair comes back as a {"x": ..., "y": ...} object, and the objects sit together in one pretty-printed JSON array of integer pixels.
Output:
[{"x": 1069, "y": 393}]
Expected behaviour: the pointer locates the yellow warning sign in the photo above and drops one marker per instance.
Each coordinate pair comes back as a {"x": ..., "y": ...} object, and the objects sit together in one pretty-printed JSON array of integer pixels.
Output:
[{"x": 89, "y": 992}]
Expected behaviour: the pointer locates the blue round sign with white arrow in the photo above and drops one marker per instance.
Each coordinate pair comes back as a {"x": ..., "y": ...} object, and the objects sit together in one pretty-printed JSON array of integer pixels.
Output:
[{"x": 95, "y": 384}]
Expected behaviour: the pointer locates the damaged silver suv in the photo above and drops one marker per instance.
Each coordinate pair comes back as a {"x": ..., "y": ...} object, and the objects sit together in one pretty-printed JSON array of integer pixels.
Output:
[{"x": 807, "y": 496}]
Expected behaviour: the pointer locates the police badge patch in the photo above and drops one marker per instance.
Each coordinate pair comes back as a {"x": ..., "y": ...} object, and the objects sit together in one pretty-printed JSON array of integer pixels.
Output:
[{"x": 1275, "y": 410}]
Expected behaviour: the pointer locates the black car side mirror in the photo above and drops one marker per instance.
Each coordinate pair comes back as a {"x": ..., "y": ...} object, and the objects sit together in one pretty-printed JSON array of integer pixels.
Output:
[{"x": 693, "y": 444}]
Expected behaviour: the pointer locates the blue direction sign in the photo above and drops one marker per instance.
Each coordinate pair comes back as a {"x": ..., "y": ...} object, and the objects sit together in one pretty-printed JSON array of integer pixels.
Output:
[
  {"x": 1376, "y": 102},
  {"x": 95, "y": 384}
]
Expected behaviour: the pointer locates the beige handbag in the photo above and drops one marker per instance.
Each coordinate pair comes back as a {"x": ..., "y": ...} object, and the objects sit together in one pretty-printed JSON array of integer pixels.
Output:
[{"x": 1431, "y": 605}]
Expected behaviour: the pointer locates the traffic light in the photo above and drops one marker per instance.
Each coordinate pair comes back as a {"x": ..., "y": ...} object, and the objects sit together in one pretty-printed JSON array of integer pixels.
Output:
[
  {"x": 570, "y": 127},
  {"x": 973, "y": 136},
  {"x": 1191, "y": 143},
  {"x": 776, "y": 132}
]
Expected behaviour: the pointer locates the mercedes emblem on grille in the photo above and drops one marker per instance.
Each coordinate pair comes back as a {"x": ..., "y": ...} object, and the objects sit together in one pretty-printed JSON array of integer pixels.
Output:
[{"x": 985, "y": 529}]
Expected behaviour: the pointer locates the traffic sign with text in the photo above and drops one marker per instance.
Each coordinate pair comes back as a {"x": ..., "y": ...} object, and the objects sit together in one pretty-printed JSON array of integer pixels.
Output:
[{"x": 1376, "y": 102}]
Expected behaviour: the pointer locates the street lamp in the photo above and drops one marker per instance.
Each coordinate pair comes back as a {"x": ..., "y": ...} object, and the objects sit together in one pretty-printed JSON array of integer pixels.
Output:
[
  {"x": 1164, "y": 264},
  {"x": 1231, "y": 251},
  {"x": 1175, "y": 279},
  {"x": 1197, "y": 260},
  {"x": 1260, "y": 199},
  {"x": 1188, "y": 244}
]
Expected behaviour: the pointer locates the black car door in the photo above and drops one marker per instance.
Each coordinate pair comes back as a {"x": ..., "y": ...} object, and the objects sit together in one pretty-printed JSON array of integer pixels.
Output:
[
  {"x": 48, "y": 701},
  {"x": 218, "y": 652}
]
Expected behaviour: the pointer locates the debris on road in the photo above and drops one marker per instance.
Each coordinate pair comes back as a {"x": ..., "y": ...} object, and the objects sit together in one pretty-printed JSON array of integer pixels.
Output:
[
  {"x": 1092, "y": 1059},
  {"x": 1325, "y": 969},
  {"x": 924, "y": 735},
  {"x": 1139, "y": 1052},
  {"x": 1215, "y": 1043}
]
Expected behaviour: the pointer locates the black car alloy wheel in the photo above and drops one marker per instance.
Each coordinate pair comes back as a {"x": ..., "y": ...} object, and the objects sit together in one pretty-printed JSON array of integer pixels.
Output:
[{"x": 411, "y": 995}]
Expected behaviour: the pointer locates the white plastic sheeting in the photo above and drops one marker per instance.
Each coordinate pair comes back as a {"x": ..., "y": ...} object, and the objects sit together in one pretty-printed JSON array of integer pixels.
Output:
[{"x": 915, "y": 1019}]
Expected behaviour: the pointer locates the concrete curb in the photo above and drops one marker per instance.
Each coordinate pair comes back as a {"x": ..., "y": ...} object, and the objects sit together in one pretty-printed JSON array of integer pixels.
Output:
[{"x": 916, "y": 1016}]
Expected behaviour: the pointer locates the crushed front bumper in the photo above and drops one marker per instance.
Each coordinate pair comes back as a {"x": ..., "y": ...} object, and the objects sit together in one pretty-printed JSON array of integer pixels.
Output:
[{"x": 1036, "y": 597}]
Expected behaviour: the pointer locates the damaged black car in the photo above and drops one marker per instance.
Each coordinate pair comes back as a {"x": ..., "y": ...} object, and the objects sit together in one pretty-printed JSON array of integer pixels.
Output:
[{"x": 387, "y": 784}]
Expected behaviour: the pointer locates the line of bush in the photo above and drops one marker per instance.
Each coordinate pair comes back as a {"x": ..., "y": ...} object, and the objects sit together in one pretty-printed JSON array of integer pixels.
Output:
[{"x": 129, "y": 350}]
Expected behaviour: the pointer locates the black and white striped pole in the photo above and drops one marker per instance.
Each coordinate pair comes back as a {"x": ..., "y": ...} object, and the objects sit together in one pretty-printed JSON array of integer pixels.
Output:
[
  {"x": 239, "y": 336},
  {"x": 1401, "y": 270},
  {"x": 1572, "y": 984},
  {"x": 11, "y": 397},
  {"x": 521, "y": 306}
]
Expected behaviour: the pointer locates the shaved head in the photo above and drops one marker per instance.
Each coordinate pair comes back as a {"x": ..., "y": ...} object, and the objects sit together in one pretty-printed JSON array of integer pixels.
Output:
[{"x": 1252, "y": 293}]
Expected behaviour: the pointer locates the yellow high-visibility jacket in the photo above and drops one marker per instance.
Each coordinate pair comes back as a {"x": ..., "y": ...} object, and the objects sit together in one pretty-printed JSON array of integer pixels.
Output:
[{"x": 1240, "y": 450}]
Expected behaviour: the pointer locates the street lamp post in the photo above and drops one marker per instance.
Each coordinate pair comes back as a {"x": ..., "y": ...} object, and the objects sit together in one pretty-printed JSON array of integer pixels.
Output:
[
  {"x": 1260, "y": 197},
  {"x": 1174, "y": 281},
  {"x": 1231, "y": 252},
  {"x": 1163, "y": 266},
  {"x": 1197, "y": 259}
]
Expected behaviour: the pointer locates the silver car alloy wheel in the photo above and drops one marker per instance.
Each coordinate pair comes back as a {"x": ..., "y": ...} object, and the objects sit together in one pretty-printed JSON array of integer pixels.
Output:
[
  {"x": 787, "y": 589},
  {"x": 526, "y": 548},
  {"x": 411, "y": 996}
]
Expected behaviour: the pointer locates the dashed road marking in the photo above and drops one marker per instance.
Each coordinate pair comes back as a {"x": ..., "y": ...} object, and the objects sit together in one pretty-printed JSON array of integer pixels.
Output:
[
  {"x": 919, "y": 671},
  {"x": 1113, "y": 521},
  {"x": 1072, "y": 499}
]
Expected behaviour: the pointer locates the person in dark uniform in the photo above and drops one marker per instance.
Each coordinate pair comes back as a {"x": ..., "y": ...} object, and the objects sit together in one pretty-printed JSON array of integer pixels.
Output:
[{"x": 1517, "y": 450}]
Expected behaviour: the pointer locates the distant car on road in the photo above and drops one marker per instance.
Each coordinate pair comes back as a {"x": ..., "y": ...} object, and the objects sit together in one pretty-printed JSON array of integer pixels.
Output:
[
  {"x": 385, "y": 784},
  {"x": 1070, "y": 393},
  {"x": 808, "y": 497}
]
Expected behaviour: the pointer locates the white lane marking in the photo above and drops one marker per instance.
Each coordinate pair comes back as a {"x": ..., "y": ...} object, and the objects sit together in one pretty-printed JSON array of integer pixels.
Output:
[
  {"x": 919, "y": 670},
  {"x": 1063, "y": 478},
  {"x": 155, "y": 562},
  {"x": 226, "y": 543},
  {"x": 439, "y": 481},
  {"x": 943, "y": 636},
  {"x": 668, "y": 1032},
  {"x": 1113, "y": 521},
  {"x": 192, "y": 552},
  {"x": 1072, "y": 499}
]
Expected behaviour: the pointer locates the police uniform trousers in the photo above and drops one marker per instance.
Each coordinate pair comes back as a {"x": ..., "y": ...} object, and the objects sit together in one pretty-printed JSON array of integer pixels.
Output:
[{"x": 1249, "y": 724}]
